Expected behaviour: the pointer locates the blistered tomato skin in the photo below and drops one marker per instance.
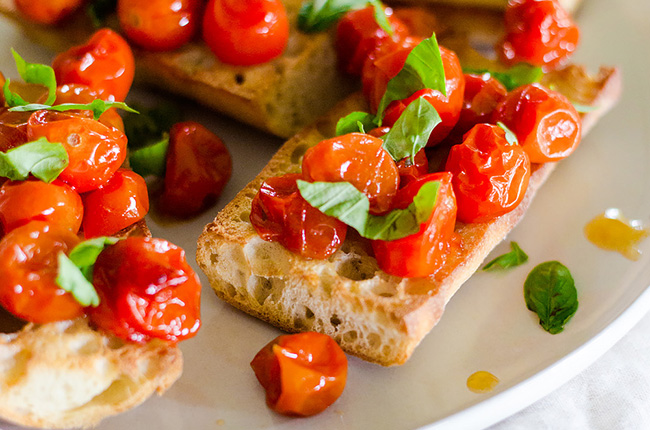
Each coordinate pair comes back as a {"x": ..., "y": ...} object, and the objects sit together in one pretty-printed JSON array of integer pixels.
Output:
[
  {"x": 198, "y": 168},
  {"x": 82, "y": 94},
  {"x": 122, "y": 201},
  {"x": 303, "y": 374},
  {"x": 359, "y": 159},
  {"x": 490, "y": 175},
  {"x": 159, "y": 25},
  {"x": 105, "y": 63},
  {"x": 147, "y": 290},
  {"x": 358, "y": 35},
  {"x": 545, "y": 122},
  {"x": 246, "y": 32},
  {"x": 35, "y": 200},
  {"x": 426, "y": 250},
  {"x": 280, "y": 214},
  {"x": 538, "y": 32},
  {"x": 47, "y": 12},
  {"x": 482, "y": 95},
  {"x": 28, "y": 269},
  {"x": 95, "y": 151}
]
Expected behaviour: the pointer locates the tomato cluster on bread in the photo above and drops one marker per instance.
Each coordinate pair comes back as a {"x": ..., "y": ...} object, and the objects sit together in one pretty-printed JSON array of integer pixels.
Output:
[
  {"x": 373, "y": 176},
  {"x": 66, "y": 200}
]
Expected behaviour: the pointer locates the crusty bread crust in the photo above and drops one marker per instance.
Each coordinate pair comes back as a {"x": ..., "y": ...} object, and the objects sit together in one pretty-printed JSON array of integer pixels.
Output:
[{"x": 373, "y": 315}]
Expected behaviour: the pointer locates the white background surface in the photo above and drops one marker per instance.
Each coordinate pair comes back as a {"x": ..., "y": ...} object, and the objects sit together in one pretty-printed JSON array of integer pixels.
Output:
[{"x": 486, "y": 326}]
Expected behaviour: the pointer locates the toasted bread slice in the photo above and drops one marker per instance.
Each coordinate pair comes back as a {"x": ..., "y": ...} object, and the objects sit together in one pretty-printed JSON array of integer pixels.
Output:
[{"x": 375, "y": 316}]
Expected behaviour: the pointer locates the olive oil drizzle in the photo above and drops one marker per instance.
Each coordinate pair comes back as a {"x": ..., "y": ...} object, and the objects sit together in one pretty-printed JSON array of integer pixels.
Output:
[
  {"x": 482, "y": 382},
  {"x": 612, "y": 231}
]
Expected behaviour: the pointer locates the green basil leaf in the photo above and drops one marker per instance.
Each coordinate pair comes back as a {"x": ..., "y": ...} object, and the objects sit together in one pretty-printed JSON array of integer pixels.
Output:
[
  {"x": 380, "y": 16},
  {"x": 411, "y": 131},
  {"x": 100, "y": 10},
  {"x": 318, "y": 15},
  {"x": 75, "y": 271},
  {"x": 97, "y": 106},
  {"x": 550, "y": 292},
  {"x": 355, "y": 122},
  {"x": 150, "y": 160},
  {"x": 423, "y": 69},
  {"x": 43, "y": 159},
  {"x": 151, "y": 125},
  {"x": 343, "y": 201},
  {"x": 511, "y": 137},
  {"x": 516, "y": 76},
  {"x": 32, "y": 73},
  {"x": 516, "y": 257}
]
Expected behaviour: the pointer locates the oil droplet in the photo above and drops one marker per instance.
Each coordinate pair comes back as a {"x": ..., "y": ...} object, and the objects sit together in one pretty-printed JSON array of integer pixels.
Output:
[
  {"x": 482, "y": 382},
  {"x": 613, "y": 232}
]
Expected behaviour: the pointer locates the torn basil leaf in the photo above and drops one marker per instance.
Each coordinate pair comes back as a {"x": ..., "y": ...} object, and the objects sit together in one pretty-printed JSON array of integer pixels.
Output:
[
  {"x": 511, "y": 137},
  {"x": 355, "y": 122},
  {"x": 45, "y": 160},
  {"x": 151, "y": 159},
  {"x": 97, "y": 106},
  {"x": 32, "y": 73},
  {"x": 318, "y": 15},
  {"x": 516, "y": 257},
  {"x": 516, "y": 76},
  {"x": 550, "y": 292},
  {"x": 344, "y": 202}
]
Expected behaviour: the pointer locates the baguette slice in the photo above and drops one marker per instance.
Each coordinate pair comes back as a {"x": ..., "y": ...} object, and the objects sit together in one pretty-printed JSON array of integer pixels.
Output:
[
  {"x": 373, "y": 315},
  {"x": 66, "y": 374}
]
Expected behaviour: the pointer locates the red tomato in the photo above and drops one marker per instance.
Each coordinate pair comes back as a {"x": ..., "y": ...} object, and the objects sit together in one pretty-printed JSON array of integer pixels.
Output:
[
  {"x": 197, "y": 170},
  {"x": 147, "y": 290},
  {"x": 13, "y": 128},
  {"x": 122, "y": 201},
  {"x": 25, "y": 201},
  {"x": 280, "y": 214},
  {"x": 159, "y": 25},
  {"x": 28, "y": 269},
  {"x": 426, "y": 250},
  {"x": 95, "y": 150},
  {"x": 105, "y": 63},
  {"x": 358, "y": 35},
  {"x": 47, "y": 12},
  {"x": 408, "y": 170},
  {"x": 246, "y": 32},
  {"x": 78, "y": 93},
  {"x": 359, "y": 159},
  {"x": 302, "y": 374},
  {"x": 538, "y": 32},
  {"x": 544, "y": 121},
  {"x": 448, "y": 107},
  {"x": 482, "y": 95},
  {"x": 490, "y": 174}
]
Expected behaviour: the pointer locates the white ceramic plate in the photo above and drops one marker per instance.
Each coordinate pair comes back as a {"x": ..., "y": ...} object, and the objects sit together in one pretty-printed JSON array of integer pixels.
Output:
[{"x": 486, "y": 326}]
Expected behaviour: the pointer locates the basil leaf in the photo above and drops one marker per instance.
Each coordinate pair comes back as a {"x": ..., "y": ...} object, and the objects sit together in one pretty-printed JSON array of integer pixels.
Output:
[
  {"x": 423, "y": 69},
  {"x": 550, "y": 292},
  {"x": 511, "y": 137},
  {"x": 97, "y": 106},
  {"x": 355, "y": 122},
  {"x": 76, "y": 270},
  {"x": 516, "y": 76},
  {"x": 43, "y": 159},
  {"x": 151, "y": 125},
  {"x": 318, "y": 15},
  {"x": 411, "y": 131},
  {"x": 516, "y": 257},
  {"x": 150, "y": 160},
  {"x": 343, "y": 201},
  {"x": 100, "y": 10},
  {"x": 32, "y": 73}
]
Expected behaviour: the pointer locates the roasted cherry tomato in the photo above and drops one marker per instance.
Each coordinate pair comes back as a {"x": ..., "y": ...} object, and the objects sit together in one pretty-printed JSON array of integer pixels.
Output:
[
  {"x": 198, "y": 167},
  {"x": 159, "y": 25},
  {"x": 147, "y": 290},
  {"x": 28, "y": 269},
  {"x": 280, "y": 214},
  {"x": 302, "y": 373},
  {"x": 47, "y": 12},
  {"x": 31, "y": 200},
  {"x": 359, "y": 159},
  {"x": 482, "y": 95},
  {"x": 490, "y": 174},
  {"x": 78, "y": 93},
  {"x": 422, "y": 253},
  {"x": 122, "y": 201},
  {"x": 95, "y": 150},
  {"x": 246, "y": 32},
  {"x": 544, "y": 121},
  {"x": 358, "y": 35},
  {"x": 408, "y": 169},
  {"x": 13, "y": 128},
  {"x": 538, "y": 32},
  {"x": 105, "y": 63}
]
